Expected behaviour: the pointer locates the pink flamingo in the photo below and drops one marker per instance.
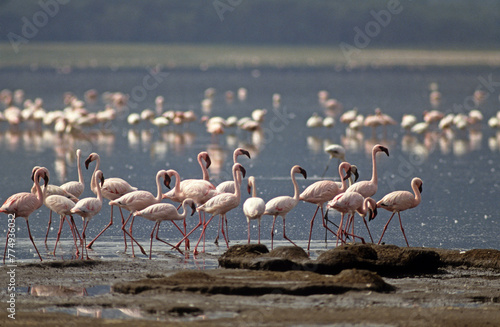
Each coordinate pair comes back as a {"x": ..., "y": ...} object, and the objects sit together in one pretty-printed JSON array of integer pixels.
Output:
[
  {"x": 281, "y": 205},
  {"x": 89, "y": 207},
  {"x": 369, "y": 188},
  {"x": 398, "y": 201},
  {"x": 228, "y": 186},
  {"x": 159, "y": 212},
  {"x": 323, "y": 191},
  {"x": 74, "y": 187},
  {"x": 222, "y": 203},
  {"x": 253, "y": 207},
  {"x": 112, "y": 189},
  {"x": 23, "y": 204},
  {"x": 49, "y": 190},
  {"x": 138, "y": 200},
  {"x": 62, "y": 206},
  {"x": 204, "y": 168},
  {"x": 349, "y": 203},
  {"x": 197, "y": 189}
]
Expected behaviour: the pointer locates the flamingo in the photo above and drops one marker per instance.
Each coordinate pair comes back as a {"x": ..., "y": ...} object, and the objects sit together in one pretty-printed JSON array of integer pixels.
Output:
[
  {"x": 138, "y": 200},
  {"x": 323, "y": 191},
  {"x": 159, "y": 212},
  {"x": 222, "y": 203},
  {"x": 349, "y": 203},
  {"x": 228, "y": 186},
  {"x": 253, "y": 207},
  {"x": 62, "y": 206},
  {"x": 49, "y": 190},
  {"x": 197, "y": 189},
  {"x": 74, "y": 187},
  {"x": 369, "y": 188},
  {"x": 89, "y": 207},
  {"x": 23, "y": 204},
  {"x": 112, "y": 189},
  {"x": 335, "y": 151},
  {"x": 398, "y": 201},
  {"x": 281, "y": 205}
]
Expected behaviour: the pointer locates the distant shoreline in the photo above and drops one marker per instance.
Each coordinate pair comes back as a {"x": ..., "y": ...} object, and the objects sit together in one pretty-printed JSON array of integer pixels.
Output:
[{"x": 171, "y": 56}]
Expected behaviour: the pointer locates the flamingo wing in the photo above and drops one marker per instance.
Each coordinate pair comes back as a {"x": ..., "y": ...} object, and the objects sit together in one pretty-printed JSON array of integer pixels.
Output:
[
  {"x": 280, "y": 205},
  {"x": 254, "y": 207},
  {"x": 397, "y": 201},
  {"x": 320, "y": 192}
]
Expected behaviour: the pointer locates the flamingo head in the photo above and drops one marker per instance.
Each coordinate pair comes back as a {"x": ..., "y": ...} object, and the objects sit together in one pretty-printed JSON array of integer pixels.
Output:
[
  {"x": 250, "y": 185},
  {"x": 166, "y": 179},
  {"x": 93, "y": 156},
  {"x": 372, "y": 213},
  {"x": 240, "y": 168},
  {"x": 347, "y": 173},
  {"x": 419, "y": 184},
  {"x": 40, "y": 172},
  {"x": 241, "y": 151},
  {"x": 33, "y": 171},
  {"x": 354, "y": 170},
  {"x": 204, "y": 155},
  {"x": 193, "y": 206},
  {"x": 100, "y": 177},
  {"x": 379, "y": 148},
  {"x": 300, "y": 170}
]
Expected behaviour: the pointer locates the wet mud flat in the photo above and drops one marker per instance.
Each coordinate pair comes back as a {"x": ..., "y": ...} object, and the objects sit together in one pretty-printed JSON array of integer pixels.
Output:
[{"x": 354, "y": 284}]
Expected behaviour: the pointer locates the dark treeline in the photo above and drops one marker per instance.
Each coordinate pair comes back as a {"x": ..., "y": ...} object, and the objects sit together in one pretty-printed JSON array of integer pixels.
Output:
[{"x": 465, "y": 23}]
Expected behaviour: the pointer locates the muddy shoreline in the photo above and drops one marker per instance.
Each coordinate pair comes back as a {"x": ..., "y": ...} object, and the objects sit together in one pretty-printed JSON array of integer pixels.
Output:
[{"x": 358, "y": 285}]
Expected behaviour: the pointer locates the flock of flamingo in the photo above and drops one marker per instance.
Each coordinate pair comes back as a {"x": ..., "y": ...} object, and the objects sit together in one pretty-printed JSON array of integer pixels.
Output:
[{"x": 202, "y": 196}]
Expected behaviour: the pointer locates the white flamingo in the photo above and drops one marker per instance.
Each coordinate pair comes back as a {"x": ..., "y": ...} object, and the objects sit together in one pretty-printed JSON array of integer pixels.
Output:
[
  {"x": 89, "y": 207},
  {"x": 159, "y": 212},
  {"x": 398, "y": 201},
  {"x": 334, "y": 151},
  {"x": 369, "y": 188},
  {"x": 222, "y": 203},
  {"x": 253, "y": 207},
  {"x": 138, "y": 200},
  {"x": 281, "y": 205},
  {"x": 112, "y": 189},
  {"x": 323, "y": 191},
  {"x": 23, "y": 204},
  {"x": 74, "y": 187}
]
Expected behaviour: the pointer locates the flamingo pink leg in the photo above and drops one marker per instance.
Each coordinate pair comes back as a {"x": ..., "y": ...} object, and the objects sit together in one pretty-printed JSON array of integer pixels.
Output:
[
  {"x": 159, "y": 239},
  {"x": 403, "y": 230},
  {"x": 132, "y": 238},
  {"x": 385, "y": 228},
  {"x": 311, "y": 229},
  {"x": 48, "y": 227},
  {"x": 202, "y": 234}
]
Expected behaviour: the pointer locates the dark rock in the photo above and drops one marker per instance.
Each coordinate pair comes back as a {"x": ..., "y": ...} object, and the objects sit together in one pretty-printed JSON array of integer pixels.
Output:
[
  {"x": 292, "y": 253},
  {"x": 483, "y": 258},
  {"x": 240, "y": 256}
]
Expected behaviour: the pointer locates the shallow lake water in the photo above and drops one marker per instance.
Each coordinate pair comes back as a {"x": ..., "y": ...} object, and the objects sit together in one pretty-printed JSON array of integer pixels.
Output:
[{"x": 460, "y": 174}]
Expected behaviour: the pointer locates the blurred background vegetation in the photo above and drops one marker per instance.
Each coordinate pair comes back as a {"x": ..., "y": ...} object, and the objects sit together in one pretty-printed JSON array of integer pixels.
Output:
[{"x": 423, "y": 23}]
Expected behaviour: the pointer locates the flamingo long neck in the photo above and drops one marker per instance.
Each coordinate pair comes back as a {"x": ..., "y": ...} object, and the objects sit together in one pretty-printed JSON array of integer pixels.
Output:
[
  {"x": 235, "y": 156},
  {"x": 344, "y": 184},
  {"x": 296, "y": 193},
  {"x": 159, "y": 195},
  {"x": 418, "y": 196},
  {"x": 79, "y": 167},
  {"x": 183, "y": 215},
  {"x": 254, "y": 189},
  {"x": 39, "y": 194},
  {"x": 177, "y": 187},
  {"x": 203, "y": 169},
  {"x": 98, "y": 186},
  {"x": 237, "y": 183},
  {"x": 374, "y": 168},
  {"x": 364, "y": 208},
  {"x": 93, "y": 182}
]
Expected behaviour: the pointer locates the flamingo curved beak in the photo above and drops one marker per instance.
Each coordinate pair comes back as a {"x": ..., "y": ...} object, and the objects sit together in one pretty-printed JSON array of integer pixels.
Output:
[{"x": 303, "y": 172}]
